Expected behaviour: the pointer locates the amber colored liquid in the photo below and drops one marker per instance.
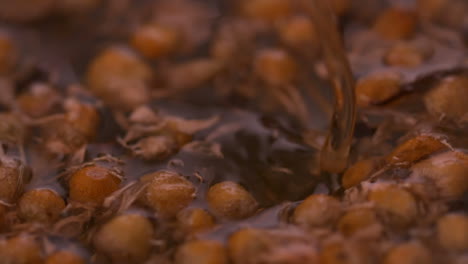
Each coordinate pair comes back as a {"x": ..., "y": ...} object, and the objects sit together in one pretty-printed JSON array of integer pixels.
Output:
[{"x": 334, "y": 154}]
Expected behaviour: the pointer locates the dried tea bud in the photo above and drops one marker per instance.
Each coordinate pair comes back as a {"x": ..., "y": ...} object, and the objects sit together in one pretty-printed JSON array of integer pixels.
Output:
[
  {"x": 360, "y": 171},
  {"x": 125, "y": 239},
  {"x": 414, "y": 149},
  {"x": 42, "y": 205},
  {"x": 39, "y": 100},
  {"x": 119, "y": 78},
  {"x": 246, "y": 243},
  {"x": 155, "y": 147},
  {"x": 356, "y": 220},
  {"x": 154, "y": 41},
  {"x": 92, "y": 184},
  {"x": 13, "y": 176},
  {"x": 408, "y": 54},
  {"x": 377, "y": 88},
  {"x": 395, "y": 203},
  {"x": 448, "y": 99},
  {"x": 230, "y": 200},
  {"x": 452, "y": 232},
  {"x": 408, "y": 253},
  {"x": 65, "y": 257},
  {"x": 275, "y": 66},
  {"x": 21, "y": 249},
  {"x": 317, "y": 210},
  {"x": 26, "y": 10},
  {"x": 167, "y": 192},
  {"x": 195, "y": 220},
  {"x": 268, "y": 10},
  {"x": 82, "y": 117},
  {"x": 299, "y": 32},
  {"x": 201, "y": 252},
  {"x": 8, "y": 53},
  {"x": 395, "y": 23},
  {"x": 448, "y": 171}
]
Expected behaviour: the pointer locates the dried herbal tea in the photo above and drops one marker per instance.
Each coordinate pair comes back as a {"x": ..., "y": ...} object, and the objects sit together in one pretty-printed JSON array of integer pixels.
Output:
[{"x": 233, "y": 131}]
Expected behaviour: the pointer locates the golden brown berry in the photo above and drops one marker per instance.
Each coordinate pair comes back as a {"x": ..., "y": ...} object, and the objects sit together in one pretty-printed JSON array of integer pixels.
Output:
[
  {"x": 414, "y": 149},
  {"x": 452, "y": 232},
  {"x": 13, "y": 177},
  {"x": 39, "y": 100},
  {"x": 275, "y": 66},
  {"x": 192, "y": 73},
  {"x": 377, "y": 88},
  {"x": 42, "y": 205},
  {"x": 407, "y": 54},
  {"x": 395, "y": 23},
  {"x": 267, "y": 10},
  {"x": 299, "y": 32},
  {"x": 408, "y": 253},
  {"x": 360, "y": 171},
  {"x": 201, "y": 252},
  {"x": 395, "y": 203},
  {"x": 154, "y": 41},
  {"x": 356, "y": 220},
  {"x": 448, "y": 99},
  {"x": 8, "y": 53},
  {"x": 125, "y": 239},
  {"x": 195, "y": 220},
  {"x": 448, "y": 171},
  {"x": 83, "y": 118},
  {"x": 346, "y": 253},
  {"x": 245, "y": 243},
  {"x": 65, "y": 257},
  {"x": 167, "y": 192},
  {"x": 21, "y": 249},
  {"x": 92, "y": 184},
  {"x": 119, "y": 78},
  {"x": 230, "y": 200},
  {"x": 317, "y": 210}
]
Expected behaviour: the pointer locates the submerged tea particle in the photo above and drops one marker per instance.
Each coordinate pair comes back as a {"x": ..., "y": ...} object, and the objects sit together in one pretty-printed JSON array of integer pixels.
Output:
[
  {"x": 398, "y": 203},
  {"x": 377, "y": 88},
  {"x": 13, "y": 176},
  {"x": 396, "y": 23},
  {"x": 42, "y": 205},
  {"x": 119, "y": 78},
  {"x": 275, "y": 66},
  {"x": 448, "y": 172},
  {"x": 20, "y": 249},
  {"x": 408, "y": 253},
  {"x": 360, "y": 171},
  {"x": 448, "y": 99},
  {"x": 167, "y": 192},
  {"x": 246, "y": 243},
  {"x": 299, "y": 32},
  {"x": 65, "y": 257},
  {"x": 125, "y": 239},
  {"x": 195, "y": 220},
  {"x": 414, "y": 149},
  {"x": 356, "y": 220},
  {"x": 154, "y": 41},
  {"x": 452, "y": 232},
  {"x": 92, "y": 184},
  {"x": 230, "y": 200},
  {"x": 317, "y": 210},
  {"x": 201, "y": 252}
]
